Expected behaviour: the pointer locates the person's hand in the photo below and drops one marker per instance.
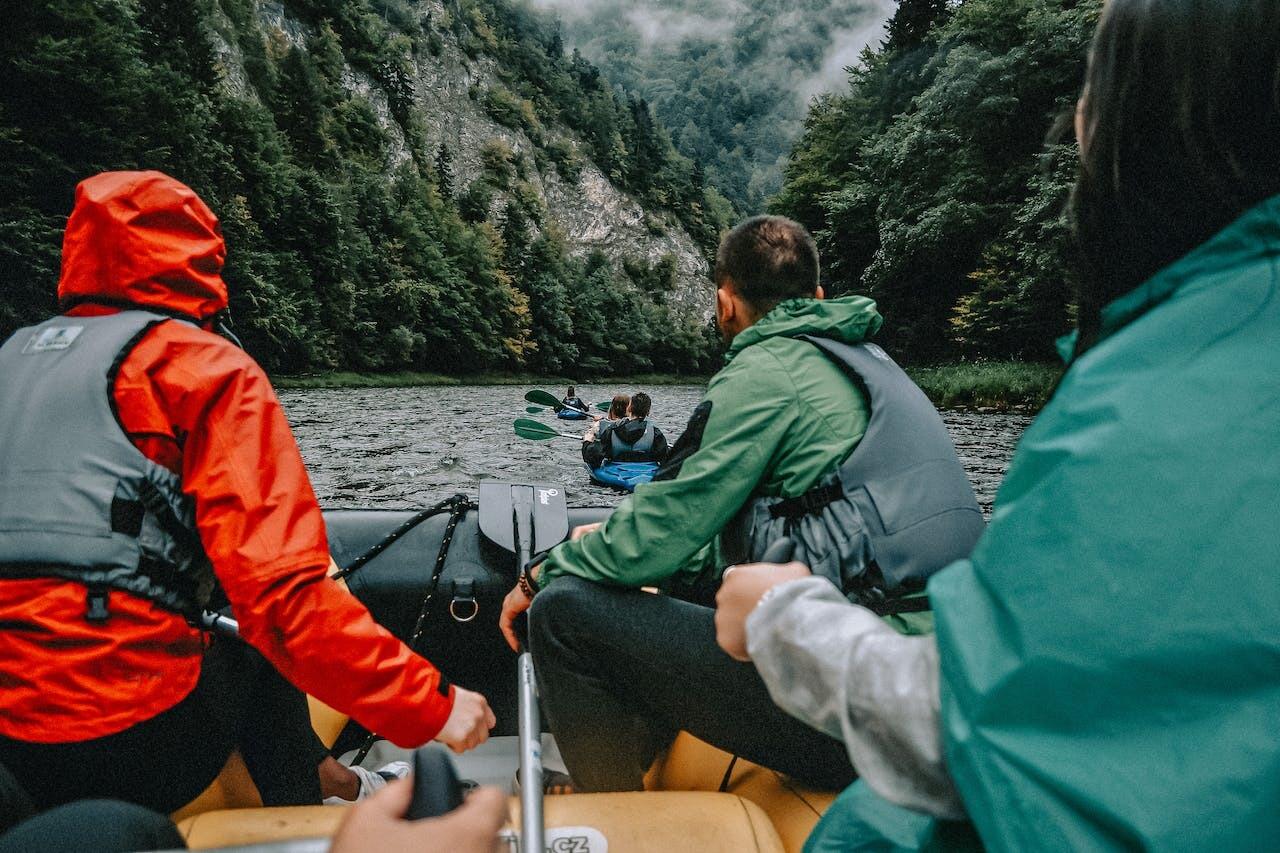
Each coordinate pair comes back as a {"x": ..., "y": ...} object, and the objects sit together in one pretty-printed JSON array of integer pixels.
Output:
[
  {"x": 513, "y": 605},
  {"x": 740, "y": 592},
  {"x": 583, "y": 529},
  {"x": 378, "y": 822},
  {"x": 469, "y": 723}
]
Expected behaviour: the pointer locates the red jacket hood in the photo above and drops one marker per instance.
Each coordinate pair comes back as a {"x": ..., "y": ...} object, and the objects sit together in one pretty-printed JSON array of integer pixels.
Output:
[{"x": 143, "y": 238}]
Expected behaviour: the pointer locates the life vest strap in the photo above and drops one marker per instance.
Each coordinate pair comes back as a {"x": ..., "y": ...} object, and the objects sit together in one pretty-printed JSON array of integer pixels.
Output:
[{"x": 809, "y": 503}]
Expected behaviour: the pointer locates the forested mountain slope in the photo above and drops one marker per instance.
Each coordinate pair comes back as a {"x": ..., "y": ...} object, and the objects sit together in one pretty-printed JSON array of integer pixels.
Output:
[
  {"x": 428, "y": 185},
  {"x": 731, "y": 79},
  {"x": 929, "y": 182}
]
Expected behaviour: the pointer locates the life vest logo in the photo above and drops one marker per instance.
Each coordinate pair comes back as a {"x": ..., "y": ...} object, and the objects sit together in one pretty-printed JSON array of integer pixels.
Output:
[
  {"x": 576, "y": 839},
  {"x": 545, "y": 495},
  {"x": 52, "y": 338}
]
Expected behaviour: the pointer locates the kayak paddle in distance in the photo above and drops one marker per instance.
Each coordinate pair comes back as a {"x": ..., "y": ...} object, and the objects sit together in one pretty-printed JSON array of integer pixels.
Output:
[
  {"x": 545, "y": 398},
  {"x": 537, "y": 410},
  {"x": 538, "y": 431}
]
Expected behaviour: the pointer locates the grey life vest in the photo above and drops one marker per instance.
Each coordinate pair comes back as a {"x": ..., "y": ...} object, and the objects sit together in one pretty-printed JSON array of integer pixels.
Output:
[
  {"x": 78, "y": 500},
  {"x": 643, "y": 444},
  {"x": 898, "y": 509}
]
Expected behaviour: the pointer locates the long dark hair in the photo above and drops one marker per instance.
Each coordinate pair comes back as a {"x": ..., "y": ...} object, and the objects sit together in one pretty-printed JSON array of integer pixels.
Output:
[{"x": 1182, "y": 116}]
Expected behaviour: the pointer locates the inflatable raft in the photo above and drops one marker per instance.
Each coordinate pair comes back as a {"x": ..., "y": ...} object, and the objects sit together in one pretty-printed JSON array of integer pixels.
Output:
[
  {"x": 439, "y": 566},
  {"x": 624, "y": 475}
]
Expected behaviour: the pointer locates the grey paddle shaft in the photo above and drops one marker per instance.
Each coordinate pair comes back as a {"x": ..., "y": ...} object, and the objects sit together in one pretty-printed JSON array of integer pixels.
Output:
[
  {"x": 216, "y": 623},
  {"x": 531, "y": 828}
]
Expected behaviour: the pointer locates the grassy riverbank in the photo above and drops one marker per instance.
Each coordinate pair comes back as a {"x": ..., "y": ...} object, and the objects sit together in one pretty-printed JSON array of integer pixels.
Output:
[{"x": 1000, "y": 385}]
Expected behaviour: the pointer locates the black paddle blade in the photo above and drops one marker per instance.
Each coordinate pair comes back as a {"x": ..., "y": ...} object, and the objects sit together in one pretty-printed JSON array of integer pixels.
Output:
[{"x": 544, "y": 501}]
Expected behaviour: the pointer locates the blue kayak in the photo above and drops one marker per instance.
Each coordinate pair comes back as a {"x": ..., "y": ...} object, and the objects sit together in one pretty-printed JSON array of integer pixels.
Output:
[
  {"x": 624, "y": 475},
  {"x": 572, "y": 415}
]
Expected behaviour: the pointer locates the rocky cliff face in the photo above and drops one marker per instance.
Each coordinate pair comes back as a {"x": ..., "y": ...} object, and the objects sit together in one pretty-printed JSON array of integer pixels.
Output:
[{"x": 447, "y": 89}]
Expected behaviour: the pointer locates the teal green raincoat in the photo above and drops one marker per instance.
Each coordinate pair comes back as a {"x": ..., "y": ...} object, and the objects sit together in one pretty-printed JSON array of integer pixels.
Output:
[{"x": 1111, "y": 653}]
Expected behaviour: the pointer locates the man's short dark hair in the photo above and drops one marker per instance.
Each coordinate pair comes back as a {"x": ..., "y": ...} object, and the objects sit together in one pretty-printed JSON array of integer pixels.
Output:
[
  {"x": 640, "y": 405},
  {"x": 769, "y": 259}
]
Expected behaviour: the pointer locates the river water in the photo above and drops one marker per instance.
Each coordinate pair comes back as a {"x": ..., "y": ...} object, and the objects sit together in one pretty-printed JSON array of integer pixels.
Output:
[{"x": 411, "y": 447}]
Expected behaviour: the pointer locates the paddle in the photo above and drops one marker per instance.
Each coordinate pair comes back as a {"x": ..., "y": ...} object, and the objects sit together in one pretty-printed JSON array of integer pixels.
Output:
[
  {"x": 537, "y": 410},
  {"x": 543, "y": 398},
  {"x": 551, "y": 401},
  {"x": 522, "y": 519},
  {"x": 538, "y": 431}
]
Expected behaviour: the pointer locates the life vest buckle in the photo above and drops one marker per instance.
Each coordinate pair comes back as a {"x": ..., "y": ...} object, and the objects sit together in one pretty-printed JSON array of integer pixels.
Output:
[{"x": 95, "y": 601}]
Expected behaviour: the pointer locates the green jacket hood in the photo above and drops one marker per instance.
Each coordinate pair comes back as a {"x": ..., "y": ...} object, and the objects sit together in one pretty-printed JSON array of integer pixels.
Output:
[{"x": 849, "y": 319}]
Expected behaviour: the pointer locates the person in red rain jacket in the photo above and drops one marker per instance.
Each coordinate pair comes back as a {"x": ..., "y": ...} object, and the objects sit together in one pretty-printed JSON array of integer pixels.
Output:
[{"x": 126, "y": 700}]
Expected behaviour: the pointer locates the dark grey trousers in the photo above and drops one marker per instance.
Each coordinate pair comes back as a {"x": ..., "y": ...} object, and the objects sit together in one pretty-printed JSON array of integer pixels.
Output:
[{"x": 621, "y": 671}]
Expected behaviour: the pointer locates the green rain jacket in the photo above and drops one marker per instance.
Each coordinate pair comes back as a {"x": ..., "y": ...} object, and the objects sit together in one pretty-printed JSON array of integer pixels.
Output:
[
  {"x": 782, "y": 416},
  {"x": 1110, "y": 655}
]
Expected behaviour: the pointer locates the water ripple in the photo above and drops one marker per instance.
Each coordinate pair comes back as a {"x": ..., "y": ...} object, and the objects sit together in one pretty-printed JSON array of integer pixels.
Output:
[{"x": 411, "y": 447}]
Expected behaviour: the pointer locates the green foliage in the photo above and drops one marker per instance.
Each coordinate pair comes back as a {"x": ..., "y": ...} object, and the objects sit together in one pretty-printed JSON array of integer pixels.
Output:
[
  {"x": 999, "y": 384},
  {"x": 730, "y": 79},
  {"x": 928, "y": 183},
  {"x": 343, "y": 253},
  {"x": 542, "y": 87}
]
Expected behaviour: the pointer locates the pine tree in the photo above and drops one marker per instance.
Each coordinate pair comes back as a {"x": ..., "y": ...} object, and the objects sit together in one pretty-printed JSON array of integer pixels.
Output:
[
  {"x": 912, "y": 22},
  {"x": 444, "y": 170},
  {"x": 555, "y": 47}
]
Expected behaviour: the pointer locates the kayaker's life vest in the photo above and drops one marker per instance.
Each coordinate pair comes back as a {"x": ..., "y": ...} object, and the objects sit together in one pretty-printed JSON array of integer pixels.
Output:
[
  {"x": 898, "y": 509},
  {"x": 639, "y": 450},
  {"x": 77, "y": 499}
]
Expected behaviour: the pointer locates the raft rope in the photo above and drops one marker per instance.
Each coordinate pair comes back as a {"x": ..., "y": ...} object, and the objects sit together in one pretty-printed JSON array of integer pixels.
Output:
[
  {"x": 394, "y": 536},
  {"x": 458, "y": 506}
]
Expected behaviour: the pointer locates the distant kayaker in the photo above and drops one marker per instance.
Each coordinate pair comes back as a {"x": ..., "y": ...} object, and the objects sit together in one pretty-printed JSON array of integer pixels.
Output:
[
  {"x": 617, "y": 412},
  {"x": 572, "y": 400},
  {"x": 146, "y": 469},
  {"x": 621, "y": 670},
  {"x": 633, "y": 438},
  {"x": 618, "y": 407},
  {"x": 1106, "y": 669}
]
